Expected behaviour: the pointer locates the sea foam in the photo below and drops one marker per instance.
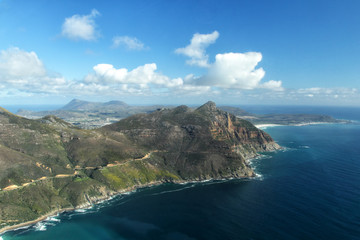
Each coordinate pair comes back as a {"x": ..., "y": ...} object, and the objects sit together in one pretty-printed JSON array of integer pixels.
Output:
[{"x": 40, "y": 226}]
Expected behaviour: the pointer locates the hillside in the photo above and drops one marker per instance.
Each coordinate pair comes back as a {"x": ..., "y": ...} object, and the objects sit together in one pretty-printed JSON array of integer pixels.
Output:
[
  {"x": 90, "y": 115},
  {"x": 79, "y": 105},
  {"x": 198, "y": 144},
  {"x": 49, "y": 165}
]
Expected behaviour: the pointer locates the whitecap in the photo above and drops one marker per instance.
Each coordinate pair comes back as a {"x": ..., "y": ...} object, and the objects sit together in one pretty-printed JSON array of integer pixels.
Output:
[
  {"x": 286, "y": 149},
  {"x": 40, "y": 226},
  {"x": 53, "y": 219},
  {"x": 80, "y": 210},
  {"x": 127, "y": 193},
  {"x": 259, "y": 176}
]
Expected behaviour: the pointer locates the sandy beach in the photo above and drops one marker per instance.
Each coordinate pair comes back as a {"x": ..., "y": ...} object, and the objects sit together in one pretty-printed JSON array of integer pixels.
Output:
[{"x": 264, "y": 126}]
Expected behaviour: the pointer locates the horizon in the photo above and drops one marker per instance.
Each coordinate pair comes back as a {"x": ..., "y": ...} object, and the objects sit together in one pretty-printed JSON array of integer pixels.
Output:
[
  {"x": 252, "y": 108},
  {"x": 302, "y": 53},
  {"x": 178, "y": 104}
]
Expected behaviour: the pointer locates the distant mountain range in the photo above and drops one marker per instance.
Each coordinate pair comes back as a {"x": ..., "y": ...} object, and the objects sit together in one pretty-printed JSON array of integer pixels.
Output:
[
  {"x": 79, "y": 105},
  {"x": 91, "y": 115}
]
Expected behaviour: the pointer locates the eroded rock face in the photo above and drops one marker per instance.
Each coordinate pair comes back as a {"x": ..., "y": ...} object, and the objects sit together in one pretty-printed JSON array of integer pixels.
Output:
[
  {"x": 48, "y": 165},
  {"x": 198, "y": 144}
]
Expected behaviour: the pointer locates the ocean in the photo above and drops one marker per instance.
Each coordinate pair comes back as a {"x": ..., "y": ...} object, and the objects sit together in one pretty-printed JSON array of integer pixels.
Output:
[
  {"x": 308, "y": 190},
  {"x": 15, "y": 108}
]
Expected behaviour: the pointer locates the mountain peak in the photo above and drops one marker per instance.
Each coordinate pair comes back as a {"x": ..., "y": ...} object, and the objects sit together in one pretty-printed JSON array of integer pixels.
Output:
[
  {"x": 210, "y": 106},
  {"x": 77, "y": 104},
  {"x": 115, "y": 102},
  {"x": 75, "y": 100}
]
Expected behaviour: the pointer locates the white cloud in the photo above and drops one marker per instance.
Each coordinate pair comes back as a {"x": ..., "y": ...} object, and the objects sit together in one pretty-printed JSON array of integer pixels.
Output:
[
  {"x": 130, "y": 43},
  {"x": 143, "y": 80},
  {"x": 238, "y": 71},
  {"x": 272, "y": 85},
  {"x": 230, "y": 70},
  {"x": 80, "y": 27},
  {"x": 16, "y": 64},
  {"x": 196, "y": 49},
  {"x": 235, "y": 70},
  {"x": 141, "y": 76},
  {"x": 326, "y": 92},
  {"x": 24, "y": 71},
  {"x": 188, "y": 89}
]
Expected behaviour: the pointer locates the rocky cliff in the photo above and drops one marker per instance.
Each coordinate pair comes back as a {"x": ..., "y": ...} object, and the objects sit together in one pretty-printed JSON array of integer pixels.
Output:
[
  {"x": 197, "y": 144},
  {"x": 48, "y": 165}
]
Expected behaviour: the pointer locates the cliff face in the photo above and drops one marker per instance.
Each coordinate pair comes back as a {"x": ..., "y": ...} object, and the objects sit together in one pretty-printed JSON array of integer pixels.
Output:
[
  {"x": 48, "y": 164},
  {"x": 197, "y": 144}
]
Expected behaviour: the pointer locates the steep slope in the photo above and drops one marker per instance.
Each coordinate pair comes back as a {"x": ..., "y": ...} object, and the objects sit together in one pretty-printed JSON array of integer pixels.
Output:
[
  {"x": 197, "y": 144},
  {"x": 79, "y": 105},
  {"x": 29, "y": 149},
  {"x": 48, "y": 165},
  {"x": 91, "y": 115}
]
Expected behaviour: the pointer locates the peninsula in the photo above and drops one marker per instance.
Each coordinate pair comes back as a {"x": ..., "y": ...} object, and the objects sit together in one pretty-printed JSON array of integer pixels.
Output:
[{"x": 49, "y": 165}]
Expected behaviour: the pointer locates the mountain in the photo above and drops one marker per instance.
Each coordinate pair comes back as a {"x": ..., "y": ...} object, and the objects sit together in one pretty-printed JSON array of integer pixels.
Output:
[
  {"x": 79, "y": 105},
  {"x": 197, "y": 144},
  {"x": 89, "y": 115},
  {"x": 236, "y": 111},
  {"x": 49, "y": 165}
]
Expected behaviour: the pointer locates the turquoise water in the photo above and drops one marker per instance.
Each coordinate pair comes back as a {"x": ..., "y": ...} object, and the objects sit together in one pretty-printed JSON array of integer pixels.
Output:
[{"x": 310, "y": 190}]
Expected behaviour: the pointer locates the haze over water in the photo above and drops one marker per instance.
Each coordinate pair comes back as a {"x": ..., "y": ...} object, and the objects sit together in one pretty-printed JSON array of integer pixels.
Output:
[{"x": 308, "y": 191}]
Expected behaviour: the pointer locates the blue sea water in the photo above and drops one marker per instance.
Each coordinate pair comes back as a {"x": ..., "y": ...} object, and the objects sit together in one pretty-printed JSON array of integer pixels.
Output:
[
  {"x": 16, "y": 108},
  {"x": 309, "y": 190}
]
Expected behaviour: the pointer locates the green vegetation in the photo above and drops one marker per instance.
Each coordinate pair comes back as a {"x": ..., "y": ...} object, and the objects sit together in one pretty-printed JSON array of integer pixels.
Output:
[
  {"x": 135, "y": 173},
  {"x": 48, "y": 164}
]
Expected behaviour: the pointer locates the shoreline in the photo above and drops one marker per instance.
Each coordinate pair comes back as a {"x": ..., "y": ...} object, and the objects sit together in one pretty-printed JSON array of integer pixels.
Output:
[
  {"x": 85, "y": 205},
  {"x": 111, "y": 194},
  {"x": 32, "y": 222},
  {"x": 99, "y": 200},
  {"x": 267, "y": 125}
]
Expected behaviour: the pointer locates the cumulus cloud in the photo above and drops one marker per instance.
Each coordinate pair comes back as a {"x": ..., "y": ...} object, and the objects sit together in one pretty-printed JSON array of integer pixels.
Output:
[
  {"x": 22, "y": 73},
  {"x": 230, "y": 70},
  {"x": 16, "y": 64},
  {"x": 25, "y": 71},
  {"x": 235, "y": 70},
  {"x": 80, "y": 27},
  {"x": 272, "y": 85},
  {"x": 196, "y": 49},
  {"x": 143, "y": 80},
  {"x": 141, "y": 76},
  {"x": 130, "y": 43}
]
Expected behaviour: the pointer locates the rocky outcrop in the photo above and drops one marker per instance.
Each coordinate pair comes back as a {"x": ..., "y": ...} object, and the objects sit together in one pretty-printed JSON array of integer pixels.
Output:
[
  {"x": 49, "y": 165},
  {"x": 205, "y": 143}
]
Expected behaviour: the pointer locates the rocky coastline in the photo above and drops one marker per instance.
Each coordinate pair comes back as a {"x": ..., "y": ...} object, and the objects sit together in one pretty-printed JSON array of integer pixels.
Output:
[
  {"x": 50, "y": 166},
  {"x": 89, "y": 202}
]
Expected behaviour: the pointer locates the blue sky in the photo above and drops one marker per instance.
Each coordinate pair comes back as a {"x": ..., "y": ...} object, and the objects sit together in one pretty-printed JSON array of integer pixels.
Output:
[{"x": 180, "y": 52}]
